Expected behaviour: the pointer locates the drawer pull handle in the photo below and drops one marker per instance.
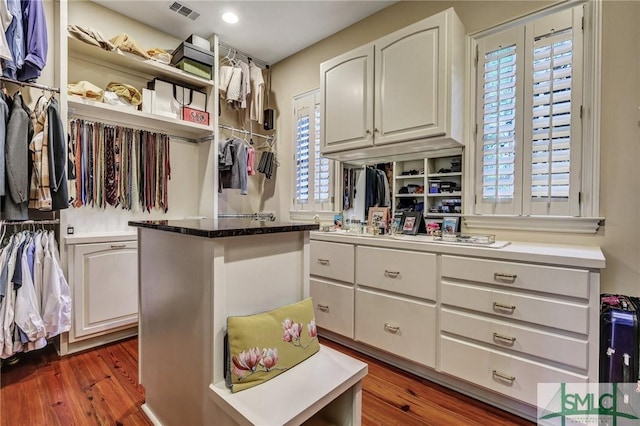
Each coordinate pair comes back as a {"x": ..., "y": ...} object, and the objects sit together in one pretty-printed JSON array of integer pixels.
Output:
[
  {"x": 511, "y": 340},
  {"x": 503, "y": 307},
  {"x": 118, "y": 246},
  {"x": 503, "y": 376},
  {"x": 323, "y": 308},
  {"x": 391, "y": 274},
  {"x": 323, "y": 261},
  {"x": 505, "y": 278},
  {"x": 391, "y": 328}
]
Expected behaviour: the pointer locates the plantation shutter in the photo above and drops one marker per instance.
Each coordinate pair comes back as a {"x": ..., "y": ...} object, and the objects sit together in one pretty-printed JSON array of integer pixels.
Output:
[
  {"x": 313, "y": 174},
  {"x": 302, "y": 157},
  {"x": 553, "y": 98},
  {"x": 322, "y": 188},
  {"x": 499, "y": 109}
]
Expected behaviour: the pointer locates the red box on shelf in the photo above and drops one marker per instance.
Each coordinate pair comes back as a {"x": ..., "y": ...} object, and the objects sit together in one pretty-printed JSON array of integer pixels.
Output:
[{"x": 195, "y": 116}]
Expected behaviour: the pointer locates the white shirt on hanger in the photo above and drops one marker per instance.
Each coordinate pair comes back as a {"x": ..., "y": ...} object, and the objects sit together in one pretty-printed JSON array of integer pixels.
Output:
[{"x": 257, "y": 94}]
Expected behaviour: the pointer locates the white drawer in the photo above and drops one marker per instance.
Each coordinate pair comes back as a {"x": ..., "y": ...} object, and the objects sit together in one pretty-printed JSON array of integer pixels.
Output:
[
  {"x": 332, "y": 260},
  {"x": 333, "y": 305},
  {"x": 403, "y": 327},
  {"x": 519, "y": 306},
  {"x": 507, "y": 374},
  {"x": 562, "y": 349},
  {"x": 405, "y": 272},
  {"x": 548, "y": 279}
]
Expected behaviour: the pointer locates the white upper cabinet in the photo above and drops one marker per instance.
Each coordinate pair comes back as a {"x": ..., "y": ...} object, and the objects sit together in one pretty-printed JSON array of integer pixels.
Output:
[
  {"x": 400, "y": 95},
  {"x": 347, "y": 100}
]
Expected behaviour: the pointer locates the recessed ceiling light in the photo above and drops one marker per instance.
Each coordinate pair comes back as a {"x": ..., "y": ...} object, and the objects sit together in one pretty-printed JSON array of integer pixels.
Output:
[{"x": 230, "y": 17}]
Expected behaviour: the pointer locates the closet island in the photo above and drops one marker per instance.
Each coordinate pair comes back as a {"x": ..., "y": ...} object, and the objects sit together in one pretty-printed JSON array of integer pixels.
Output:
[{"x": 193, "y": 274}]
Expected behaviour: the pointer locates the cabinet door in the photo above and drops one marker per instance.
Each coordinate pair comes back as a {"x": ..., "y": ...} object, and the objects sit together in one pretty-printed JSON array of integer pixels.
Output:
[
  {"x": 105, "y": 288},
  {"x": 410, "y": 77},
  {"x": 346, "y": 87}
]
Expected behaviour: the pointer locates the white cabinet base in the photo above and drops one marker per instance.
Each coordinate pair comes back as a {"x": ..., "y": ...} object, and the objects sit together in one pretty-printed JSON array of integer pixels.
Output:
[
  {"x": 64, "y": 347},
  {"x": 103, "y": 277},
  {"x": 504, "y": 403}
]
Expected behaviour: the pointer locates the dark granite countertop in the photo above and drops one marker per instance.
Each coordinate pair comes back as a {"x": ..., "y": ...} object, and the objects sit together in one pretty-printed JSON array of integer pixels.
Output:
[{"x": 224, "y": 228}]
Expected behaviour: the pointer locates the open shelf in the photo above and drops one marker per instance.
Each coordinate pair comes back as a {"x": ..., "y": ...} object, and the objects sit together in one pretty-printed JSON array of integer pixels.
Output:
[
  {"x": 410, "y": 177},
  {"x": 149, "y": 67},
  {"x": 437, "y": 175},
  {"x": 87, "y": 108},
  {"x": 409, "y": 195},
  {"x": 445, "y": 194}
]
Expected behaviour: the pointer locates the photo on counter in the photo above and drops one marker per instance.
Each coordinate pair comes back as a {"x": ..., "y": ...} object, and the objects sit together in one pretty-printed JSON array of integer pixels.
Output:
[
  {"x": 378, "y": 216},
  {"x": 412, "y": 223},
  {"x": 450, "y": 225}
]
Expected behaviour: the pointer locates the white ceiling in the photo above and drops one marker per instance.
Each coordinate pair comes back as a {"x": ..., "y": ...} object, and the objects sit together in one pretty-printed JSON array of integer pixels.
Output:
[{"x": 267, "y": 30}]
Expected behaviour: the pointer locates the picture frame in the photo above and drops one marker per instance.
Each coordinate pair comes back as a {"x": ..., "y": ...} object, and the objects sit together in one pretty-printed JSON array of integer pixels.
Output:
[
  {"x": 412, "y": 223},
  {"x": 378, "y": 216},
  {"x": 450, "y": 225}
]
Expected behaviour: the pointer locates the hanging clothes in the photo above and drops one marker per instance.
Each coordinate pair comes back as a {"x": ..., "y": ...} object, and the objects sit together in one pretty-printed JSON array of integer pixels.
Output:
[
  {"x": 16, "y": 40},
  {"x": 5, "y": 21},
  {"x": 36, "y": 41},
  {"x": 57, "y": 157},
  {"x": 17, "y": 161},
  {"x": 232, "y": 162},
  {"x": 39, "y": 188},
  {"x": 377, "y": 193},
  {"x": 37, "y": 302},
  {"x": 4, "y": 118},
  {"x": 256, "y": 109}
]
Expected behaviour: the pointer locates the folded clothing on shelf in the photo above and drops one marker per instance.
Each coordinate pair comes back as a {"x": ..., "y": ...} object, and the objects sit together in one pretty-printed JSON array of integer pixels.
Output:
[{"x": 86, "y": 90}]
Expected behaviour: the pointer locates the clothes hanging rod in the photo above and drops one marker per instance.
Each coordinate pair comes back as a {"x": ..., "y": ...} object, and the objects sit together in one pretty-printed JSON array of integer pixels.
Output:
[
  {"x": 77, "y": 116},
  {"x": 31, "y": 222},
  {"x": 262, "y": 64},
  {"x": 34, "y": 85},
  {"x": 269, "y": 216},
  {"x": 247, "y": 132}
]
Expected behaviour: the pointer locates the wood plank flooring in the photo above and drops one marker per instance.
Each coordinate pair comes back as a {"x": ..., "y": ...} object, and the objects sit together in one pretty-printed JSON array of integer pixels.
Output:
[{"x": 100, "y": 387}]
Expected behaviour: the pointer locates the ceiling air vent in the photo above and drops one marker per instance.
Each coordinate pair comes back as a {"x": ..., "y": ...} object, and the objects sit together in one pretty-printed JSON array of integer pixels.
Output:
[{"x": 184, "y": 10}]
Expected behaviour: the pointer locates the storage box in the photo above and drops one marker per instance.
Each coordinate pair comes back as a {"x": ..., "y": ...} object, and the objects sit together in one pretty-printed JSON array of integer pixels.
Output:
[
  {"x": 195, "y": 68},
  {"x": 171, "y": 97},
  {"x": 201, "y": 42},
  {"x": 193, "y": 52},
  {"x": 434, "y": 187},
  {"x": 148, "y": 99},
  {"x": 195, "y": 116}
]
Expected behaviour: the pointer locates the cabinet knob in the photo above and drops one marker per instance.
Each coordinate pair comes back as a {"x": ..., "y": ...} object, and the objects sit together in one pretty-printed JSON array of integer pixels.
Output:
[
  {"x": 323, "y": 308},
  {"x": 504, "y": 277},
  {"x": 502, "y": 307},
  {"x": 510, "y": 340},
  {"x": 323, "y": 261},
  {"x": 375, "y": 130},
  {"x": 368, "y": 132},
  {"x": 504, "y": 377},
  {"x": 391, "y": 274},
  {"x": 391, "y": 328}
]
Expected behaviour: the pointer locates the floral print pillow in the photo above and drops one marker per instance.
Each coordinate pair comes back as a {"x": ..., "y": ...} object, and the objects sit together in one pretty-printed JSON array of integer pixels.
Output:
[{"x": 261, "y": 346}]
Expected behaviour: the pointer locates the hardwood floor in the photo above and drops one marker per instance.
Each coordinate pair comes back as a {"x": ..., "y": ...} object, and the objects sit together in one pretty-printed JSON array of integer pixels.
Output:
[{"x": 99, "y": 387}]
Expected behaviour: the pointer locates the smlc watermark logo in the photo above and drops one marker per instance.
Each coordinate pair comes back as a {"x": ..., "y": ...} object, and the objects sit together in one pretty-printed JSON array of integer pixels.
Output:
[{"x": 602, "y": 404}]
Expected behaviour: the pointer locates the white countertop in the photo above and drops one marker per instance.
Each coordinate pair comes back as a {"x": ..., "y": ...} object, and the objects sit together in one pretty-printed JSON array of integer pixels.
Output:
[{"x": 551, "y": 254}]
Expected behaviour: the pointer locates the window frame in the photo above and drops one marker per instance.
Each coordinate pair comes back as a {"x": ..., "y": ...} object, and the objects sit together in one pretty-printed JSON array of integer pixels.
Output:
[
  {"x": 309, "y": 210},
  {"x": 588, "y": 220}
]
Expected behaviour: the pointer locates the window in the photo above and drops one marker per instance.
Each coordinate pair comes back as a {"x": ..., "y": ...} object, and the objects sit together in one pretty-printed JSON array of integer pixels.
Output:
[
  {"x": 313, "y": 176},
  {"x": 530, "y": 156}
]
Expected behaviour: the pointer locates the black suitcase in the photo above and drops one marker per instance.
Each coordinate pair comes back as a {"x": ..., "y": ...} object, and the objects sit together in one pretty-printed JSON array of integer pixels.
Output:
[{"x": 619, "y": 339}]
